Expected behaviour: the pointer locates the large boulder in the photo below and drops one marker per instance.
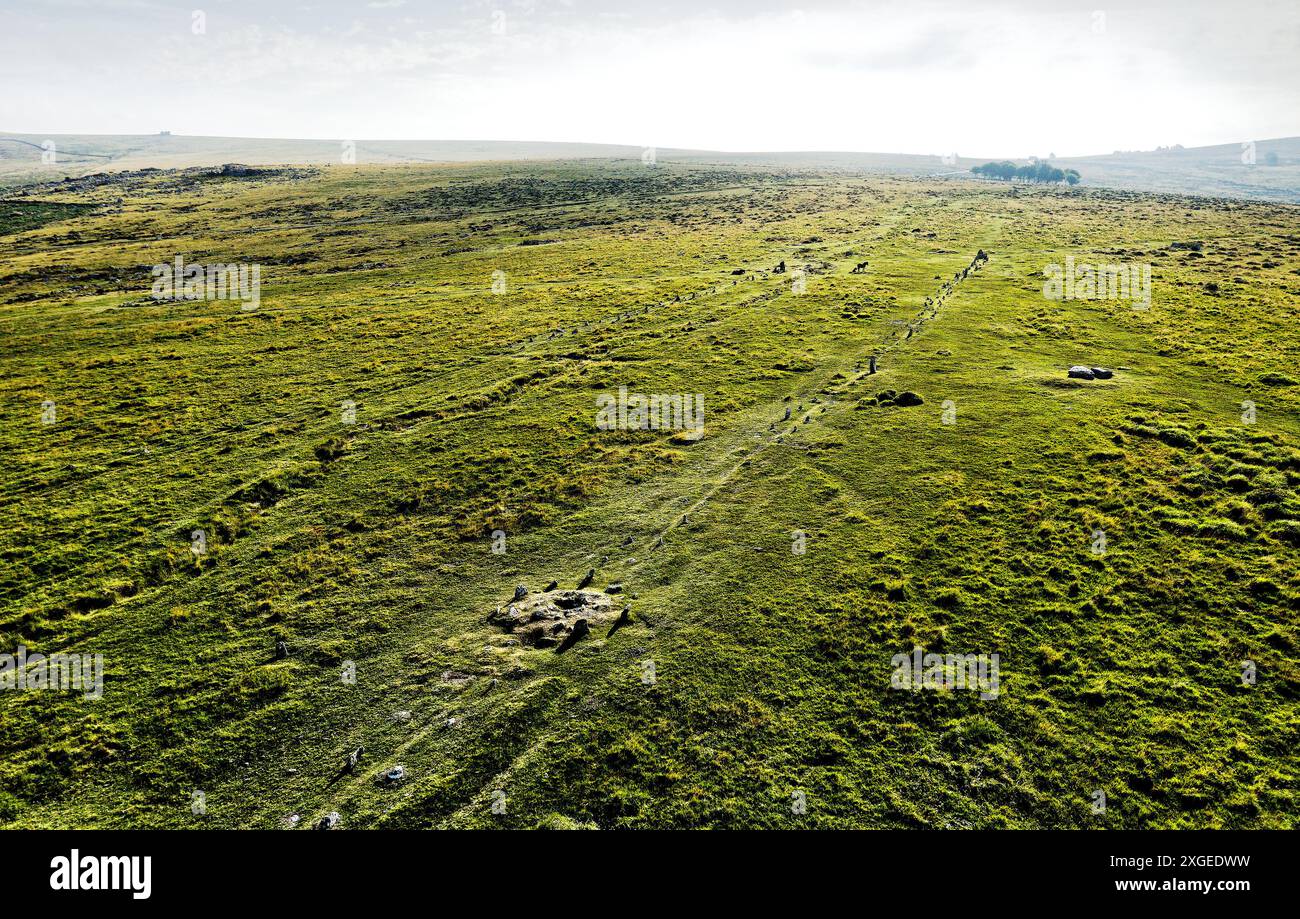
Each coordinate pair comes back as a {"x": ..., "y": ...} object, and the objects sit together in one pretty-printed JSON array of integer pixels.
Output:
[{"x": 1080, "y": 372}]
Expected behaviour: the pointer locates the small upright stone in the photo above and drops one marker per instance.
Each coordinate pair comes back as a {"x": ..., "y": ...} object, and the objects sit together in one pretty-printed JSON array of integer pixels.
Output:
[{"x": 581, "y": 629}]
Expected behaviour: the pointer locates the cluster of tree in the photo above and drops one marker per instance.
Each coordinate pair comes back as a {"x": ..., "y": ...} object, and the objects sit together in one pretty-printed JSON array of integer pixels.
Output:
[{"x": 1033, "y": 172}]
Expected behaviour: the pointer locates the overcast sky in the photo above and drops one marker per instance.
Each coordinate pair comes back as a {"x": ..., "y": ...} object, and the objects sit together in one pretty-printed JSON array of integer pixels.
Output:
[{"x": 1003, "y": 77}]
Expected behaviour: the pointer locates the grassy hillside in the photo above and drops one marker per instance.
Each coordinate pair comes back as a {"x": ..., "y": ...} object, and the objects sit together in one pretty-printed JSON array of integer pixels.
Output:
[
  {"x": 1216, "y": 171},
  {"x": 1267, "y": 169},
  {"x": 749, "y": 676},
  {"x": 86, "y": 154}
]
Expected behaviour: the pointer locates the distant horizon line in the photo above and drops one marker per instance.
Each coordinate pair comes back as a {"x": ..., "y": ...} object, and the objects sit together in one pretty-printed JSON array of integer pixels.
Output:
[{"x": 636, "y": 147}]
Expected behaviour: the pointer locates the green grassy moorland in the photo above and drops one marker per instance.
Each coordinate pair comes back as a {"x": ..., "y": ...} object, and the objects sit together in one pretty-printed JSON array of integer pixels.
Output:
[{"x": 371, "y": 542}]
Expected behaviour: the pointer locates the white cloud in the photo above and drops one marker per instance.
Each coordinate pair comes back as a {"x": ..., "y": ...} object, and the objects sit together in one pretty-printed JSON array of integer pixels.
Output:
[{"x": 1014, "y": 79}]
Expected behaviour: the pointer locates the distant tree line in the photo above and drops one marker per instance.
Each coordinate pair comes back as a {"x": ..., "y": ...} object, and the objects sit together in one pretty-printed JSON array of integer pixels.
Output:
[{"x": 1031, "y": 172}]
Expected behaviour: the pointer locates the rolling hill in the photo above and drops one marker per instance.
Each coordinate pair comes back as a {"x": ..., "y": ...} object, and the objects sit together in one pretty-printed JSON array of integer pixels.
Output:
[
  {"x": 1212, "y": 171},
  {"x": 352, "y": 526}
]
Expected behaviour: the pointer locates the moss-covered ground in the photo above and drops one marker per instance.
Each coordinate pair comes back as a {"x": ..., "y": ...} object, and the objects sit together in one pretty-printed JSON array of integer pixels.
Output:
[{"x": 349, "y": 447}]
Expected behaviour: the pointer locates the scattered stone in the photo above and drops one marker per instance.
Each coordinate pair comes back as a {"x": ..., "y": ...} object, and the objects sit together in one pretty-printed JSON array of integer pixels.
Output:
[
  {"x": 907, "y": 397},
  {"x": 395, "y": 775},
  {"x": 281, "y": 650},
  {"x": 520, "y": 592},
  {"x": 546, "y": 620},
  {"x": 587, "y": 578},
  {"x": 551, "y": 586},
  {"x": 615, "y": 588},
  {"x": 1080, "y": 372},
  {"x": 1102, "y": 373},
  {"x": 353, "y": 758},
  {"x": 402, "y": 716},
  {"x": 329, "y": 821}
]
